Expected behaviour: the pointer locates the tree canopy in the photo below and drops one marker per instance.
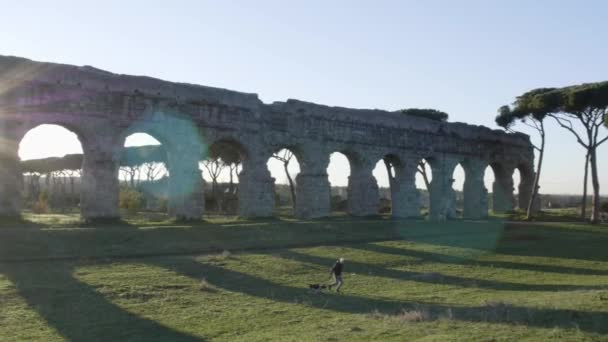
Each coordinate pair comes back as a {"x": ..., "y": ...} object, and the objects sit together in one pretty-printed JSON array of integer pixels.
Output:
[
  {"x": 537, "y": 104},
  {"x": 577, "y": 100},
  {"x": 585, "y": 105},
  {"x": 131, "y": 156},
  {"x": 227, "y": 151},
  {"x": 432, "y": 114},
  {"x": 51, "y": 164},
  {"x": 138, "y": 155}
]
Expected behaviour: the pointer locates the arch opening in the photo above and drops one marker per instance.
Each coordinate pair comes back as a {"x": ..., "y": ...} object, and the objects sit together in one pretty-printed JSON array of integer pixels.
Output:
[
  {"x": 517, "y": 182},
  {"x": 143, "y": 176},
  {"x": 284, "y": 167},
  {"x": 338, "y": 173},
  {"x": 221, "y": 166},
  {"x": 51, "y": 158},
  {"x": 457, "y": 197},
  {"x": 385, "y": 172},
  {"x": 424, "y": 177},
  {"x": 489, "y": 178}
]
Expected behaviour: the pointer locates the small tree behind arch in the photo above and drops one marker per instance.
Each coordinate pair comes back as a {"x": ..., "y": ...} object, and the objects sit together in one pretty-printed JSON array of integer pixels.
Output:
[{"x": 530, "y": 109}]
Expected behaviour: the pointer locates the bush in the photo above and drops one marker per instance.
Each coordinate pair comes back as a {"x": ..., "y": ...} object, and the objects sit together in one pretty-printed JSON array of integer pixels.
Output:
[
  {"x": 41, "y": 206},
  {"x": 385, "y": 206},
  {"x": 338, "y": 203},
  {"x": 130, "y": 200},
  {"x": 163, "y": 205},
  {"x": 604, "y": 207}
]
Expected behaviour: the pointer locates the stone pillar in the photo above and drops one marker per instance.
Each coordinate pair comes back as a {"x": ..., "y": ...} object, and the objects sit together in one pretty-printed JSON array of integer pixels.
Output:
[
  {"x": 10, "y": 173},
  {"x": 256, "y": 188},
  {"x": 186, "y": 197},
  {"x": 100, "y": 184},
  {"x": 443, "y": 197},
  {"x": 405, "y": 197},
  {"x": 362, "y": 189},
  {"x": 313, "y": 192},
  {"x": 475, "y": 193},
  {"x": 525, "y": 188},
  {"x": 502, "y": 188}
]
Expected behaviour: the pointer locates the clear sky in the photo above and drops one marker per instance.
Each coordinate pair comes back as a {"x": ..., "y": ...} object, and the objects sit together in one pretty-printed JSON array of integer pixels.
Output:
[{"x": 463, "y": 57}]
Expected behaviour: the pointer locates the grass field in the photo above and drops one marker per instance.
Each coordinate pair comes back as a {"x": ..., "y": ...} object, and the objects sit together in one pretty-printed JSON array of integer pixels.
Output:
[{"x": 233, "y": 280}]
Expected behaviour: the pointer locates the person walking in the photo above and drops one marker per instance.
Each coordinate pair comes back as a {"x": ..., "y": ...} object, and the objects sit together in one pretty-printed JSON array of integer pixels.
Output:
[{"x": 336, "y": 272}]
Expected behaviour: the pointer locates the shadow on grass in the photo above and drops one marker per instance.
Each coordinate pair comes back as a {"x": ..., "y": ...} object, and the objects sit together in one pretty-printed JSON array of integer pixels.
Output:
[
  {"x": 77, "y": 311},
  {"x": 459, "y": 260},
  {"x": 595, "y": 322},
  {"x": 19, "y": 222},
  {"x": 126, "y": 240},
  {"x": 363, "y": 268}
]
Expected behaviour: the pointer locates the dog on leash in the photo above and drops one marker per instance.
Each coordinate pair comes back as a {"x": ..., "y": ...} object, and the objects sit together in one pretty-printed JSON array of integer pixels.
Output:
[{"x": 316, "y": 288}]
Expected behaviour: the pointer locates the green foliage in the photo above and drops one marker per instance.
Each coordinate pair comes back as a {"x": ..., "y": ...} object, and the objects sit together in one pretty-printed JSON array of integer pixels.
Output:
[
  {"x": 138, "y": 155},
  {"x": 578, "y": 98},
  {"x": 228, "y": 151},
  {"x": 536, "y": 104},
  {"x": 48, "y": 165},
  {"x": 384, "y": 207},
  {"x": 338, "y": 203},
  {"x": 131, "y": 200},
  {"x": 41, "y": 206},
  {"x": 604, "y": 207},
  {"x": 432, "y": 114},
  {"x": 131, "y": 156}
]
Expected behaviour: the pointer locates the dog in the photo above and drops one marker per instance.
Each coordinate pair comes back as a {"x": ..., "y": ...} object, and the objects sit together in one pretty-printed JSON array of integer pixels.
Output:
[{"x": 317, "y": 287}]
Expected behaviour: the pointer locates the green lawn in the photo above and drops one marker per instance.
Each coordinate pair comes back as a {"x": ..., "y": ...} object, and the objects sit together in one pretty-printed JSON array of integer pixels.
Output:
[{"x": 231, "y": 279}]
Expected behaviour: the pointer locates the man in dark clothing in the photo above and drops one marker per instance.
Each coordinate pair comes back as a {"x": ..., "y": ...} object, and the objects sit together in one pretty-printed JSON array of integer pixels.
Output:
[{"x": 336, "y": 272}]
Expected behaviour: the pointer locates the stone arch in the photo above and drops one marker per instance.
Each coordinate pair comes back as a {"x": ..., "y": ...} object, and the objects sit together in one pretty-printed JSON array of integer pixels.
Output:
[
  {"x": 312, "y": 190},
  {"x": 400, "y": 169},
  {"x": 421, "y": 166},
  {"x": 54, "y": 187},
  {"x": 140, "y": 169},
  {"x": 340, "y": 159},
  {"x": 361, "y": 185},
  {"x": 475, "y": 194},
  {"x": 182, "y": 142},
  {"x": 441, "y": 192},
  {"x": 502, "y": 188},
  {"x": 526, "y": 183},
  {"x": 284, "y": 163},
  {"x": 224, "y": 154}
]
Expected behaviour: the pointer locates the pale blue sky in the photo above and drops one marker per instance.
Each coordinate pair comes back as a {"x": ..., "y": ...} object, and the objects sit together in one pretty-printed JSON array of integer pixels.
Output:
[{"x": 466, "y": 57}]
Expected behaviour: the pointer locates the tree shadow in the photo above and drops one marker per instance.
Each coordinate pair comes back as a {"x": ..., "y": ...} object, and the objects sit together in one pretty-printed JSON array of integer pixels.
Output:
[
  {"x": 557, "y": 242},
  {"x": 77, "y": 311},
  {"x": 460, "y": 260},
  {"x": 595, "y": 322},
  {"x": 431, "y": 278},
  {"x": 19, "y": 222}
]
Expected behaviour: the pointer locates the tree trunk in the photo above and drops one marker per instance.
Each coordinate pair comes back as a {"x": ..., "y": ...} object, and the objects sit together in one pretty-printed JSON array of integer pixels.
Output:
[
  {"x": 585, "y": 181},
  {"x": 389, "y": 171},
  {"x": 292, "y": 188},
  {"x": 132, "y": 178},
  {"x": 231, "y": 187},
  {"x": 595, "y": 203},
  {"x": 426, "y": 179},
  {"x": 541, "y": 153}
]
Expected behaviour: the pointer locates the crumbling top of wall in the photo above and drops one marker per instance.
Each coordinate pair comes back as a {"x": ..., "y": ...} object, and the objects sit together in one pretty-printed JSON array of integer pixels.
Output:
[
  {"x": 399, "y": 120},
  {"x": 16, "y": 70}
]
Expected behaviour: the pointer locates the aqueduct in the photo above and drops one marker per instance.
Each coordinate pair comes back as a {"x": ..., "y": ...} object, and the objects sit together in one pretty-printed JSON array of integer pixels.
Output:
[{"x": 103, "y": 108}]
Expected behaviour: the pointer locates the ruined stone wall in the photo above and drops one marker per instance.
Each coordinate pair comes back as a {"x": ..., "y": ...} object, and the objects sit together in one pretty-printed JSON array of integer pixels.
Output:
[{"x": 104, "y": 108}]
